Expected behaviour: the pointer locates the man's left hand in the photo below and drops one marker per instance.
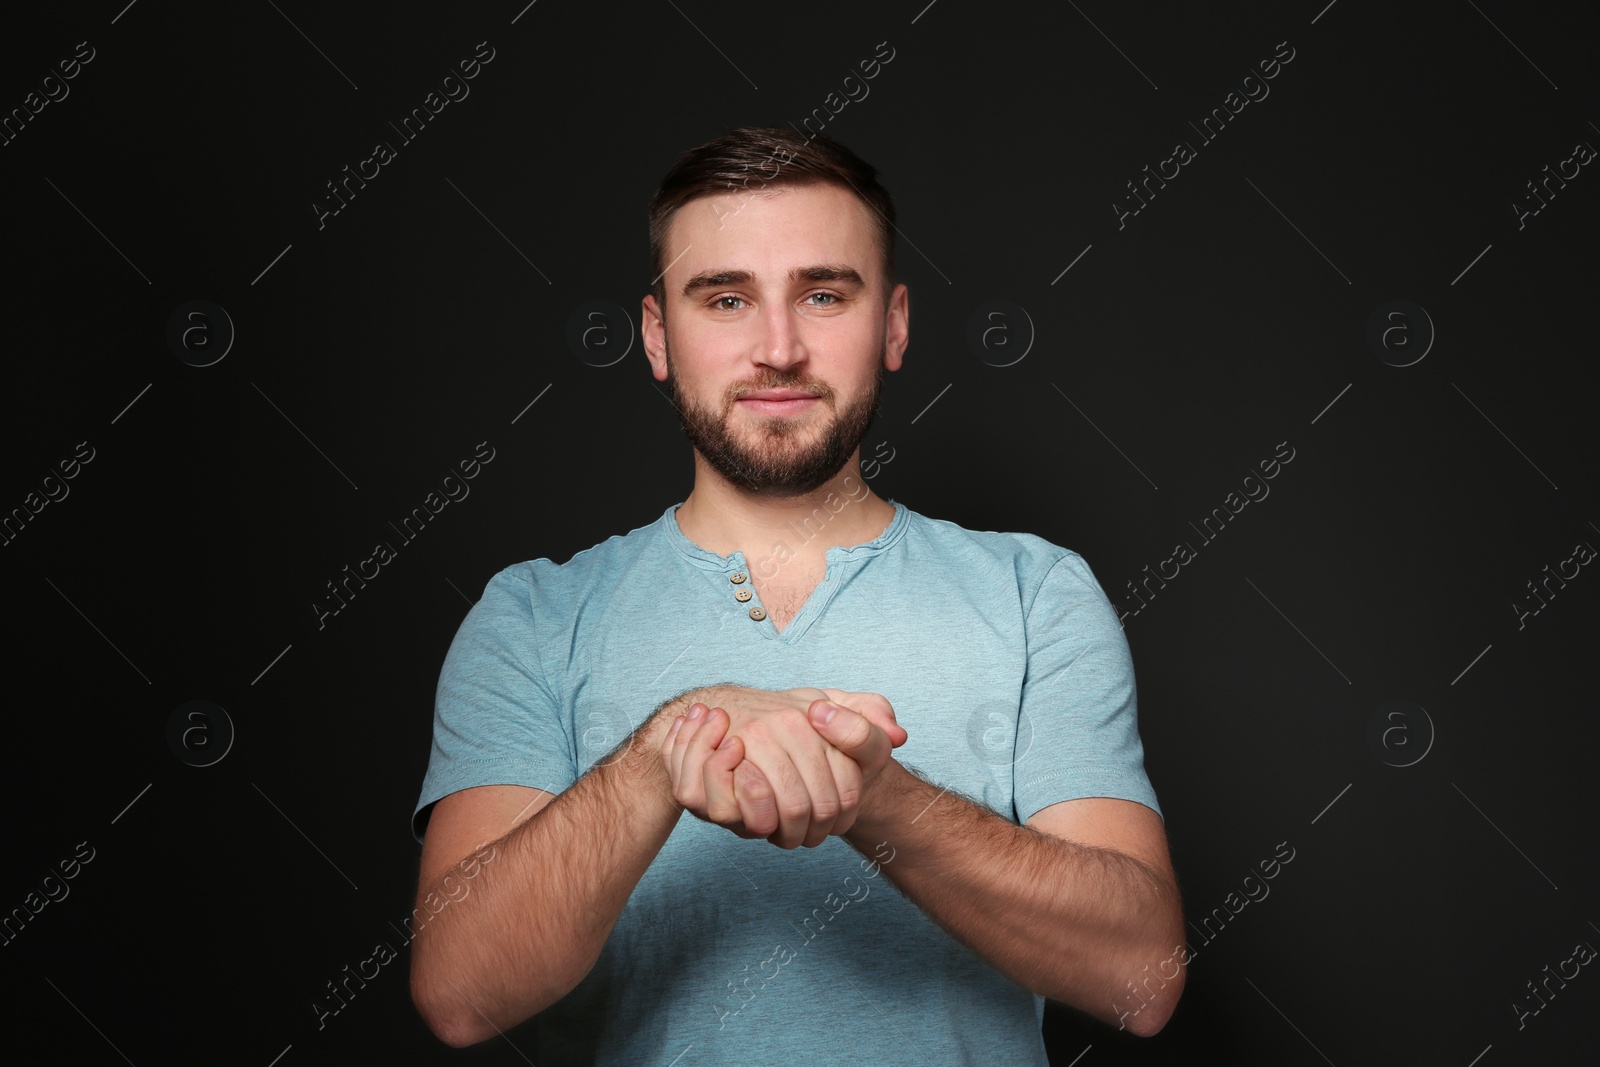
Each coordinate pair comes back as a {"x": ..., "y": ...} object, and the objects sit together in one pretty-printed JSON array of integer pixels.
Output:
[{"x": 716, "y": 783}]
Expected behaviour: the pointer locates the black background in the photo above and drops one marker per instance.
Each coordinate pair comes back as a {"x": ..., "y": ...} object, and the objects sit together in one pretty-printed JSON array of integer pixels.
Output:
[{"x": 1180, "y": 349}]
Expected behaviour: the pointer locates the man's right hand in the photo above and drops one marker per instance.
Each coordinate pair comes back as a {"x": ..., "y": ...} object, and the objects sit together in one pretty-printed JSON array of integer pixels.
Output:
[{"x": 783, "y": 782}]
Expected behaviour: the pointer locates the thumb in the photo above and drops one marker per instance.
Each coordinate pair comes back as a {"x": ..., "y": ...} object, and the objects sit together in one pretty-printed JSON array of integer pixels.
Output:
[
  {"x": 849, "y": 732},
  {"x": 897, "y": 733}
]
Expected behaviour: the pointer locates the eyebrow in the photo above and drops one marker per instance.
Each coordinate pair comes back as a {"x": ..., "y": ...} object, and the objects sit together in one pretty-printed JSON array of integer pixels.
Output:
[{"x": 822, "y": 272}]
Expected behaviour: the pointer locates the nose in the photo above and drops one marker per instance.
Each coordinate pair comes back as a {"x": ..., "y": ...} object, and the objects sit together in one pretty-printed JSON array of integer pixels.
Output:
[{"x": 780, "y": 345}]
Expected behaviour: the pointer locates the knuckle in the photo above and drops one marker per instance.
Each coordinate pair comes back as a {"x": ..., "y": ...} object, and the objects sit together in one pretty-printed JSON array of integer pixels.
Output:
[{"x": 794, "y": 810}]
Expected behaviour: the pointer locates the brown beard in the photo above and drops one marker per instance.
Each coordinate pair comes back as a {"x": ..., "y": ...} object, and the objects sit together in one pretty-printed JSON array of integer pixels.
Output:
[{"x": 768, "y": 469}]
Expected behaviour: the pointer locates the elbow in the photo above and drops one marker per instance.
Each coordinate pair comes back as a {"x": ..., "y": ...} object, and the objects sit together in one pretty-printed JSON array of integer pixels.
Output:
[
  {"x": 445, "y": 1008},
  {"x": 459, "y": 1019},
  {"x": 441, "y": 1014},
  {"x": 1143, "y": 1004},
  {"x": 1149, "y": 1020}
]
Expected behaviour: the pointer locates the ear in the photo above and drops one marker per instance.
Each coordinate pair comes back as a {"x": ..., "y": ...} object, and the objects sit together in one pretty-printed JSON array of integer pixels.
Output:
[
  {"x": 897, "y": 328},
  {"x": 653, "y": 329}
]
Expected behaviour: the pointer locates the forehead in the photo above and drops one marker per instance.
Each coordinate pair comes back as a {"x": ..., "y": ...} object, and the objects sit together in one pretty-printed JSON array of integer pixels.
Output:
[{"x": 770, "y": 232}]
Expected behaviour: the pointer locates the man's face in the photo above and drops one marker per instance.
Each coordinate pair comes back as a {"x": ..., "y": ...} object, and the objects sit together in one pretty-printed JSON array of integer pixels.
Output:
[{"x": 776, "y": 333}]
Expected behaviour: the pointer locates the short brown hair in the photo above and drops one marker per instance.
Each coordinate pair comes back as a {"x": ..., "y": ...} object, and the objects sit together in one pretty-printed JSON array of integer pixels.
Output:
[{"x": 766, "y": 157}]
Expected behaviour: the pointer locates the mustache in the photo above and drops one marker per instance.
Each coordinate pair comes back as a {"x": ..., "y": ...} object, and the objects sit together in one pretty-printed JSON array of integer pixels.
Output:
[{"x": 812, "y": 388}]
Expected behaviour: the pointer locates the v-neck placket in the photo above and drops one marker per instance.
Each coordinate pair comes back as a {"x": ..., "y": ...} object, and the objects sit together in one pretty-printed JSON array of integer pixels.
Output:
[{"x": 731, "y": 578}]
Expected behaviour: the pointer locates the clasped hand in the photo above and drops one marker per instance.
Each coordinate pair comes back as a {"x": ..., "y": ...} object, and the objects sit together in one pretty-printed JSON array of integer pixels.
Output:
[{"x": 777, "y": 765}]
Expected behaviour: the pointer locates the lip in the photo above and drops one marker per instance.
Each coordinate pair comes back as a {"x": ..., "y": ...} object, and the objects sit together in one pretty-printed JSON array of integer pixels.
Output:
[
  {"x": 778, "y": 401},
  {"x": 779, "y": 394}
]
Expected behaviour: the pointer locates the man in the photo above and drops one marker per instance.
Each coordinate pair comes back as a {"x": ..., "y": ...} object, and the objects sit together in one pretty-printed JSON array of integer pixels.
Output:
[{"x": 930, "y": 912}]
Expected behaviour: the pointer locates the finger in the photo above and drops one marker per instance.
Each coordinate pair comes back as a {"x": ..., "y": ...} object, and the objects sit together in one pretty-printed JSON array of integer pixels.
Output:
[
  {"x": 756, "y": 799},
  {"x": 685, "y": 729},
  {"x": 722, "y": 805},
  {"x": 813, "y": 762},
  {"x": 855, "y": 735},
  {"x": 875, "y": 708},
  {"x": 699, "y": 736},
  {"x": 791, "y": 788},
  {"x": 847, "y": 780},
  {"x": 668, "y": 742}
]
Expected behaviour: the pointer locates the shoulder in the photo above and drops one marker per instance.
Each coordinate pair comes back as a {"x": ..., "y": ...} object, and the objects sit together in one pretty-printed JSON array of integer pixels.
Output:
[
  {"x": 1030, "y": 557},
  {"x": 598, "y": 563},
  {"x": 1045, "y": 575},
  {"x": 517, "y": 602}
]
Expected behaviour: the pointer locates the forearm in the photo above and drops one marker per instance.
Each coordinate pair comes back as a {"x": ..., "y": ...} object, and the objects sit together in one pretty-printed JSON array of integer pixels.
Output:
[
  {"x": 540, "y": 914},
  {"x": 1074, "y": 923}
]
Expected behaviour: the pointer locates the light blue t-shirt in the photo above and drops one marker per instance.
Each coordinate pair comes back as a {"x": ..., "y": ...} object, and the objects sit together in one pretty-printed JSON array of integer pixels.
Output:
[{"x": 1001, "y": 657}]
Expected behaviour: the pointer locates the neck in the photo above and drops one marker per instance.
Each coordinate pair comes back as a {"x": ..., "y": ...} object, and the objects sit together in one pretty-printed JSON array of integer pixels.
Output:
[{"x": 723, "y": 518}]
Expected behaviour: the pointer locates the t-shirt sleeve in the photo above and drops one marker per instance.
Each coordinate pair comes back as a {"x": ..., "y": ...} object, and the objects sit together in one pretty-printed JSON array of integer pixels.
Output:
[
  {"x": 1079, "y": 711},
  {"x": 495, "y": 719}
]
